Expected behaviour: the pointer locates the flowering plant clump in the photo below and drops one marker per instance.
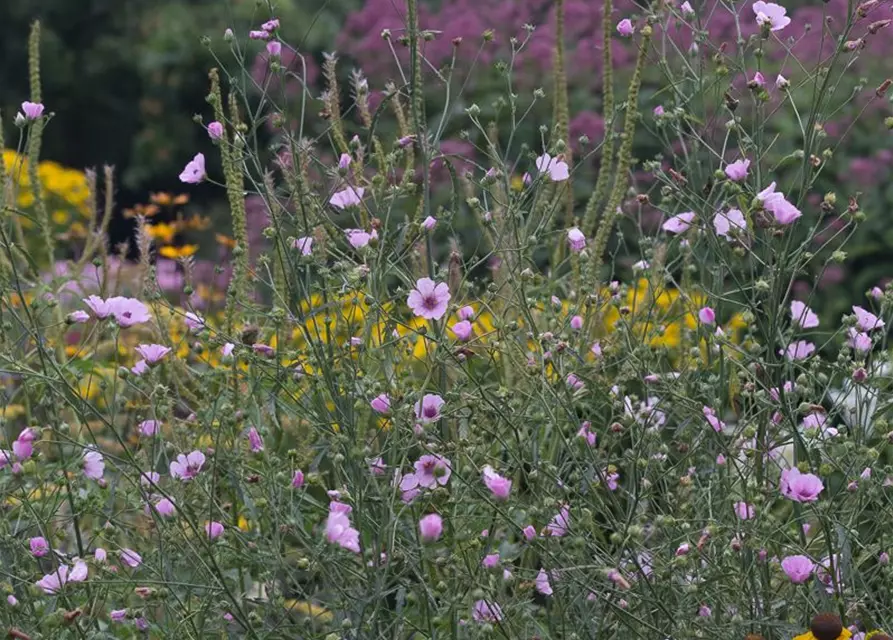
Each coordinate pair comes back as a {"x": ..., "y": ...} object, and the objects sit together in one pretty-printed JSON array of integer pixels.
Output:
[{"x": 370, "y": 425}]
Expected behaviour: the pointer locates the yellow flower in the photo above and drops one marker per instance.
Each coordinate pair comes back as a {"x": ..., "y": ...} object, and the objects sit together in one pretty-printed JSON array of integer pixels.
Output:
[
  {"x": 60, "y": 216},
  {"x": 175, "y": 253},
  {"x": 12, "y": 411},
  {"x": 844, "y": 635},
  {"x": 163, "y": 232},
  {"x": 308, "y": 609}
]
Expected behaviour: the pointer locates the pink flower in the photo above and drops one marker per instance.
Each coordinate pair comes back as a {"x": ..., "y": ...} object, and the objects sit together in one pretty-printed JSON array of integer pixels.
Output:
[
  {"x": 574, "y": 382},
  {"x": 625, "y": 28},
  {"x": 679, "y": 223},
  {"x": 149, "y": 478},
  {"x": 52, "y": 583},
  {"x": 194, "y": 322},
  {"x": 859, "y": 341},
  {"x": 686, "y": 9},
  {"x": 259, "y": 35},
  {"x": 704, "y": 611},
  {"x": 771, "y": 14},
  {"x": 798, "y": 568},
  {"x": 381, "y": 403},
  {"x": 263, "y": 349},
  {"x": 466, "y": 313},
  {"x": 427, "y": 409},
  {"x": 214, "y": 530},
  {"x": 759, "y": 80},
  {"x": 377, "y": 466},
  {"x": 596, "y": 349},
  {"x": 430, "y": 471},
  {"x": 304, "y": 245},
  {"x": 799, "y": 350},
  {"x": 131, "y": 558},
  {"x": 139, "y": 368},
  {"x": 32, "y": 110},
  {"x": 187, "y": 467},
  {"x": 118, "y": 615},
  {"x": 556, "y": 168},
  {"x": 215, "y": 130},
  {"x": 542, "y": 583},
  {"x": 194, "y": 172},
  {"x": 529, "y": 532},
  {"x": 149, "y": 428},
  {"x": 800, "y": 487},
  {"x": 867, "y": 321},
  {"x": 707, "y": 316},
  {"x": 429, "y": 299},
  {"x": 94, "y": 465},
  {"x": 227, "y": 350},
  {"x": 576, "y": 323},
  {"x": 431, "y": 527},
  {"x": 803, "y": 316},
  {"x": 152, "y": 353},
  {"x": 576, "y": 241},
  {"x": 165, "y": 508},
  {"x": 358, "y": 238},
  {"x": 22, "y": 448},
  {"x": 781, "y": 82},
  {"x": 349, "y": 197},
  {"x": 100, "y": 308},
  {"x": 78, "y": 317},
  {"x": 499, "y": 486},
  {"x": 39, "y": 546},
  {"x": 463, "y": 330},
  {"x": 490, "y": 560},
  {"x": 274, "y": 48},
  {"x": 775, "y": 203},
  {"x": 429, "y": 223},
  {"x": 255, "y": 442},
  {"x": 737, "y": 171},
  {"x": 484, "y": 611},
  {"x": 100, "y": 555},
  {"x": 297, "y": 480},
  {"x": 683, "y": 549},
  {"x": 560, "y": 523},
  {"x": 717, "y": 424},
  {"x": 128, "y": 311},
  {"x": 658, "y": 111},
  {"x": 724, "y": 223},
  {"x": 587, "y": 433},
  {"x": 270, "y": 25},
  {"x": 744, "y": 511}
]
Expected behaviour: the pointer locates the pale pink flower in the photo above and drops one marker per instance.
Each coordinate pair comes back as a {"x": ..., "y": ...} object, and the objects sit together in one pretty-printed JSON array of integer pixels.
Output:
[
  {"x": 744, "y": 511},
  {"x": 274, "y": 49},
  {"x": 227, "y": 350},
  {"x": 258, "y": 35},
  {"x": 771, "y": 14},
  {"x": 194, "y": 172},
  {"x": 798, "y": 568},
  {"x": 576, "y": 241},
  {"x": 759, "y": 80},
  {"x": 349, "y": 197},
  {"x": 131, "y": 558},
  {"x": 39, "y": 546},
  {"x": 803, "y": 316},
  {"x": 529, "y": 532},
  {"x": 215, "y": 130},
  {"x": 686, "y": 9},
  {"x": 658, "y": 111},
  {"x": 737, "y": 171},
  {"x": 556, "y": 168},
  {"x": 800, "y": 487},
  {"x": 707, "y": 316},
  {"x": 149, "y": 478},
  {"x": 799, "y": 350},
  {"x": 729, "y": 221},
  {"x": 255, "y": 442},
  {"x": 490, "y": 560},
  {"x": 139, "y": 368},
  {"x": 625, "y": 28},
  {"x": 466, "y": 313},
  {"x": 194, "y": 322},
  {"x": 187, "y": 467},
  {"x": 359, "y": 238},
  {"x": 431, "y": 527},
  {"x": 498, "y": 485},
  {"x": 149, "y": 428},
  {"x": 304, "y": 245},
  {"x": 587, "y": 433},
  {"x": 463, "y": 330},
  {"x": 381, "y": 403},
  {"x": 431, "y": 470},
  {"x": 128, "y": 311},
  {"x": 78, "y": 317},
  {"x": 775, "y": 203},
  {"x": 683, "y": 549},
  {"x": 165, "y": 508},
  {"x": 717, "y": 424},
  {"x": 679, "y": 223},
  {"x": 818, "y": 421},
  {"x": 100, "y": 308},
  {"x": 484, "y": 611},
  {"x": 576, "y": 323},
  {"x": 214, "y": 530},
  {"x": 297, "y": 480},
  {"x": 100, "y": 555},
  {"x": 574, "y": 382},
  {"x": 859, "y": 341},
  {"x": 429, "y": 299},
  {"x": 94, "y": 464},
  {"x": 270, "y": 25},
  {"x": 596, "y": 349},
  {"x": 32, "y": 110},
  {"x": 52, "y": 583},
  {"x": 152, "y": 353},
  {"x": 866, "y": 320},
  {"x": 560, "y": 523},
  {"x": 118, "y": 615},
  {"x": 427, "y": 409},
  {"x": 542, "y": 583},
  {"x": 429, "y": 223},
  {"x": 781, "y": 82}
]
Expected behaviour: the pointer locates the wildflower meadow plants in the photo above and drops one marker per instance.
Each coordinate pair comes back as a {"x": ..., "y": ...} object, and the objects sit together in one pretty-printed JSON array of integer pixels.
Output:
[{"x": 386, "y": 428}]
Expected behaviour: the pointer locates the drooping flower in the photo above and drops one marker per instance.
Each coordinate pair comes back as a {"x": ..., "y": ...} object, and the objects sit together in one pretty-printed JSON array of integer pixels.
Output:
[
  {"x": 866, "y": 320},
  {"x": 542, "y": 583},
  {"x": 431, "y": 527},
  {"x": 560, "y": 523},
  {"x": 152, "y": 353},
  {"x": 149, "y": 428},
  {"x": 304, "y": 245},
  {"x": 729, "y": 221},
  {"x": 187, "y": 467},
  {"x": 679, "y": 223},
  {"x": 94, "y": 464},
  {"x": 214, "y": 529},
  {"x": 194, "y": 172},
  {"x": 803, "y": 316},
  {"x": 800, "y": 487},
  {"x": 427, "y": 409},
  {"x": 131, "y": 558},
  {"x": 556, "y": 168},
  {"x": 576, "y": 241},
  {"x": 32, "y": 110},
  {"x": 255, "y": 442},
  {"x": 625, "y": 28},
  {"x": 771, "y": 14},
  {"x": 775, "y": 203},
  {"x": 484, "y": 611},
  {"x": 381, "y": 403},
  {"x": 737, "y": 171},
  {"x": 349, "y": 197},
  {"x": 498, "y": 485},
  {"x": 429, "y": 299},
  {"x": 339, "y": 530},
  {"x": 194, "y": 322},
  {"x": 799, "y": 350}
]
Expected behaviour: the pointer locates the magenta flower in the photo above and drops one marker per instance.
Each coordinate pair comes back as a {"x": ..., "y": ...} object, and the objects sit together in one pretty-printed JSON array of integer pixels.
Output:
[
  {"x": 297, "y": 480},
  {"x": 625, "y": 28},
  {"x": 358, "y": 238},
  {"x": 658, "y": 111},
  {"x": 52, "y": 583},
  {"x": 798, "y": 568},
  {"x": 429, "y": 299},
  {"x": 686, "y": 9},
  {"x": 576, "y": 323},
  {"x": 338, "y": 529},
  {"x": 187, "y": 467},
  {"x": 427, "y": 409},
  {"x": 576, "y": 241},
  {"x": 737, "y": 171},
  {"x": 32, "y": 110},
  {"x": 131, "y": 558},
  {"x": 560, "y": 523},
  {"x": 215, "y": 130},
  {"x": 149, "y": 428},
  {"x": 349, "y": 197},
  {"x": 490, "y": 560},
  {"x": 274, "y": 49},
  {"x": 270, "y": 25},
  {"x": 556, "y": 168},
  {"x": 94, "y": 464},
  {"x": 152, "y": 353},
  {"x": 803, "y": 316},
  {"x": 463, "y": 330},
  {"x": 800, "y": 487},
  {"x": 429, "y": 223},
  {"x": 194, "y": 172},
  {"x": 866, "y": 320},
  {"x": 466, "y": 313},
  {"x": 499, "y": 486},
  {"x": 304, "y": 245},
  {"x": 259, "y": 35},
  {"x": 775, "y": 203},
  {"x": 769, "y": 13},
  {"x": 214, "y": 530},
  {"x": 118, "y": 615},
  {"x": 759, "y": 80},
  {"x": 542, "y": 583},
  {"x": 799, "y": 350},
  {"x": 39, "y": 546},
  {"x": 431, "y": 470},
  {"x": 744, "y": 511},
  {"x": 381, "y": 403},
  {"x": 484, "y": 611},
  {"x": 679, "y": 223},
  {"x": 165, "y": 508},
  {"x": 255, "y": 442},
  {"x": 725, "y": 222},
  {"x": 22, "y": 448},
  {"x": 431, "y": 527},
  {"x": 858, "y": 340},
  {"x": 707, "y": 316}
]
